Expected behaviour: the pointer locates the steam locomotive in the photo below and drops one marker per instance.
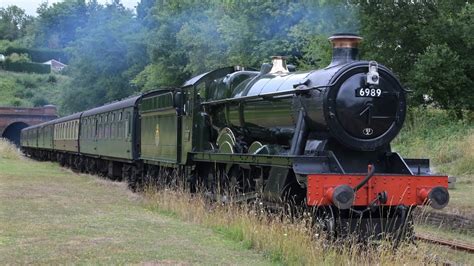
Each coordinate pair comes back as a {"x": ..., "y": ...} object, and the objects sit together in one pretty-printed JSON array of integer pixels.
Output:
[{"x": 319, "y": 139}]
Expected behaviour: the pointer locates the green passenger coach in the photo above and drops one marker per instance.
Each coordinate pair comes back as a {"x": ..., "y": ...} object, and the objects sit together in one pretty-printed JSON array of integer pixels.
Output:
[{"x": 107, "y": 131}]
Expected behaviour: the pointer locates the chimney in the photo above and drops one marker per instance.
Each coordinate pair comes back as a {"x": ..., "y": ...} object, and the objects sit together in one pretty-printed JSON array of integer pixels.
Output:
[
  {"x": 279, "y": 65},
  {"x": 345, "y": 48}
]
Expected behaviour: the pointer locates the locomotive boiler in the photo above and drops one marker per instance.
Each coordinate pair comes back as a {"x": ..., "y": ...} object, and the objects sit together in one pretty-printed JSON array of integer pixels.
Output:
[{"x": 360, "y": 104}]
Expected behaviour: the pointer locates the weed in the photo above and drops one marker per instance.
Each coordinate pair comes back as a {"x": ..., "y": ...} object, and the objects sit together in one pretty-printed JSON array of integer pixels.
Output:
[
  {"x": 8, "y": 150},
  {"x": 282, "y": 239}
]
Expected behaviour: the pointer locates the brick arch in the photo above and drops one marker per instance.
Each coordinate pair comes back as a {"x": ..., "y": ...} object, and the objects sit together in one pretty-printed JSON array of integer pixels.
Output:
[{"x": 13, "y": 117}]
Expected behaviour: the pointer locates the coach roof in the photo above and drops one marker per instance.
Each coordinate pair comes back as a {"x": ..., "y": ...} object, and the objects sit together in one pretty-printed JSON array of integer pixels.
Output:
[{"x": 129, "y": 102}]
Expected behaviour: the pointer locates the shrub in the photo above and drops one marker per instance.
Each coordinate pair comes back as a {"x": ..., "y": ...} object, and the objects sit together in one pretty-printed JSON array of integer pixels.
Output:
[
  {"x": 39, "y": 55},
  {"x": 27, "y": 67},
  {"x": 39, "y": 101}
]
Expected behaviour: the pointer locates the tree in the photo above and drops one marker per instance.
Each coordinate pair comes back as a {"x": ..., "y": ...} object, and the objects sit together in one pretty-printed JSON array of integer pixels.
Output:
[
  {"x": 13, "y": 23},
  {"x": 439, "y": 74},
  {"x": 194, "y": 37},
  {"x": 57, "y": 25},
  {"x": 107, "y": 52},
  {"x": 429, "y": 44}
]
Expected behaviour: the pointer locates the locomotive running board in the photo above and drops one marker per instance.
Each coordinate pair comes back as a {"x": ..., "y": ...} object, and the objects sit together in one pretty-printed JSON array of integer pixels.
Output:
[{"x": 301, "y": 164}]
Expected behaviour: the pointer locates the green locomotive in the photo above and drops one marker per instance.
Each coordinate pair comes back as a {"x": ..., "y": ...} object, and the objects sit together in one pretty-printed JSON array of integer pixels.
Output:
[{"x": 318, "y": 138}]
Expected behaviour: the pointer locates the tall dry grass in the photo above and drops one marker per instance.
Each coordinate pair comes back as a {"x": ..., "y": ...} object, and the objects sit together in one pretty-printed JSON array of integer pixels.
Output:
[
  {"x": 282, "y": 240},
  {"x": 8, "y": 150}
]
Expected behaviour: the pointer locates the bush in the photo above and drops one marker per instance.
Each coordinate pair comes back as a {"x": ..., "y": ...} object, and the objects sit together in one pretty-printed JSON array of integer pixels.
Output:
[
  {"x": 435, "y": 134},
  {"x": 27, "y": 67},
  {"x": 52, "y": 79},
  {"x": 39, "y": 101},
  {"x": 39, "y": 55},
  {"x": 19, "y": 58}
]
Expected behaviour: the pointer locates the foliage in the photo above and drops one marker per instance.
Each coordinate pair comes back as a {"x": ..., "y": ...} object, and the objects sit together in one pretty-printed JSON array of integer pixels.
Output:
[
  {"x": 27, "y": 67},
  {"x": 115, "y": 52},
  {"x": 29, "y": 90},
  {"x": 106, "y": 54},
  {"x": 429, "y": 44},
  {"x": 13, "y": 23},
  {"x": 18, "y": 58},
  {"x": 57, "y": 25},
  {"x": 242, "y": 33},
  {"x": 441, "y": 74},
  {"x": 38, "y": 55},
  {"x": 433, "y": 133}
]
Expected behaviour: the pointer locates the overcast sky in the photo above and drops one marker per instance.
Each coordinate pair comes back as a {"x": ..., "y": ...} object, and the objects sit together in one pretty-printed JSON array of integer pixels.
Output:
[{"x": 30, "y": 6}]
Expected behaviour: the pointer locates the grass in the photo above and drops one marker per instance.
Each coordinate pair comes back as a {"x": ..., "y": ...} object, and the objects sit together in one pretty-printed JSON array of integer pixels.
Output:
[
  {"x": 291, "y": 243},
  {"x": 91, "y": 222},
  {"x": 50, "y": 215},
  {"x": 449, "y": 144},
  {"x": 443, "y": 233},
  {"x": 28, "y": 90}
]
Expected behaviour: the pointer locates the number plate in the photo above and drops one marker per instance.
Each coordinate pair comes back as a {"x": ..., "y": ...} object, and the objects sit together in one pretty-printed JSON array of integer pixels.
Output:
[{"x": 369, "y": 92}]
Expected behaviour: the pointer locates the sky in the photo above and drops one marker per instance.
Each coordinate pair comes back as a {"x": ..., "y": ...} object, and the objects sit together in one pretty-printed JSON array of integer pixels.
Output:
[{"x": 30, "y": 6}]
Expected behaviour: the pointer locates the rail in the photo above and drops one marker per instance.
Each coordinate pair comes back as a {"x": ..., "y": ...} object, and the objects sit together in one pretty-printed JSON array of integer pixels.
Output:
[{"x": 457, "y": 245}]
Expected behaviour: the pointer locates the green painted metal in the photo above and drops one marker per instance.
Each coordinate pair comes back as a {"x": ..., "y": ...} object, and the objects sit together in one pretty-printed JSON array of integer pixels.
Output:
[
  {"x": 162, "y": 101},
  {"x": 29, "y": 137},
  {"x": 187, "y": 123},
  {"x": 263, "y": 160},
  {"x": 45, "y": 136},
  {"x": 108, "y": 134},
  {"x": 159, "y": 128}
]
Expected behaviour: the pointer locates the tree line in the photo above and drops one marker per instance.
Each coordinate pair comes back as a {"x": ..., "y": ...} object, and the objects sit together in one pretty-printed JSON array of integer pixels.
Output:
[{"x": 115, "y": 52}]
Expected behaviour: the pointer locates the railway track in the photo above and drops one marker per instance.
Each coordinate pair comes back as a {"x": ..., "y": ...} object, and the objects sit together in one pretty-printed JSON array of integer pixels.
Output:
[{"x": 457, "y": 245}]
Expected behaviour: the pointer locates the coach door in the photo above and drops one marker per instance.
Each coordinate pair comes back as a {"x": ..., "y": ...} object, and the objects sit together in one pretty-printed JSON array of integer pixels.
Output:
[{"x": 186, "y": 102}]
